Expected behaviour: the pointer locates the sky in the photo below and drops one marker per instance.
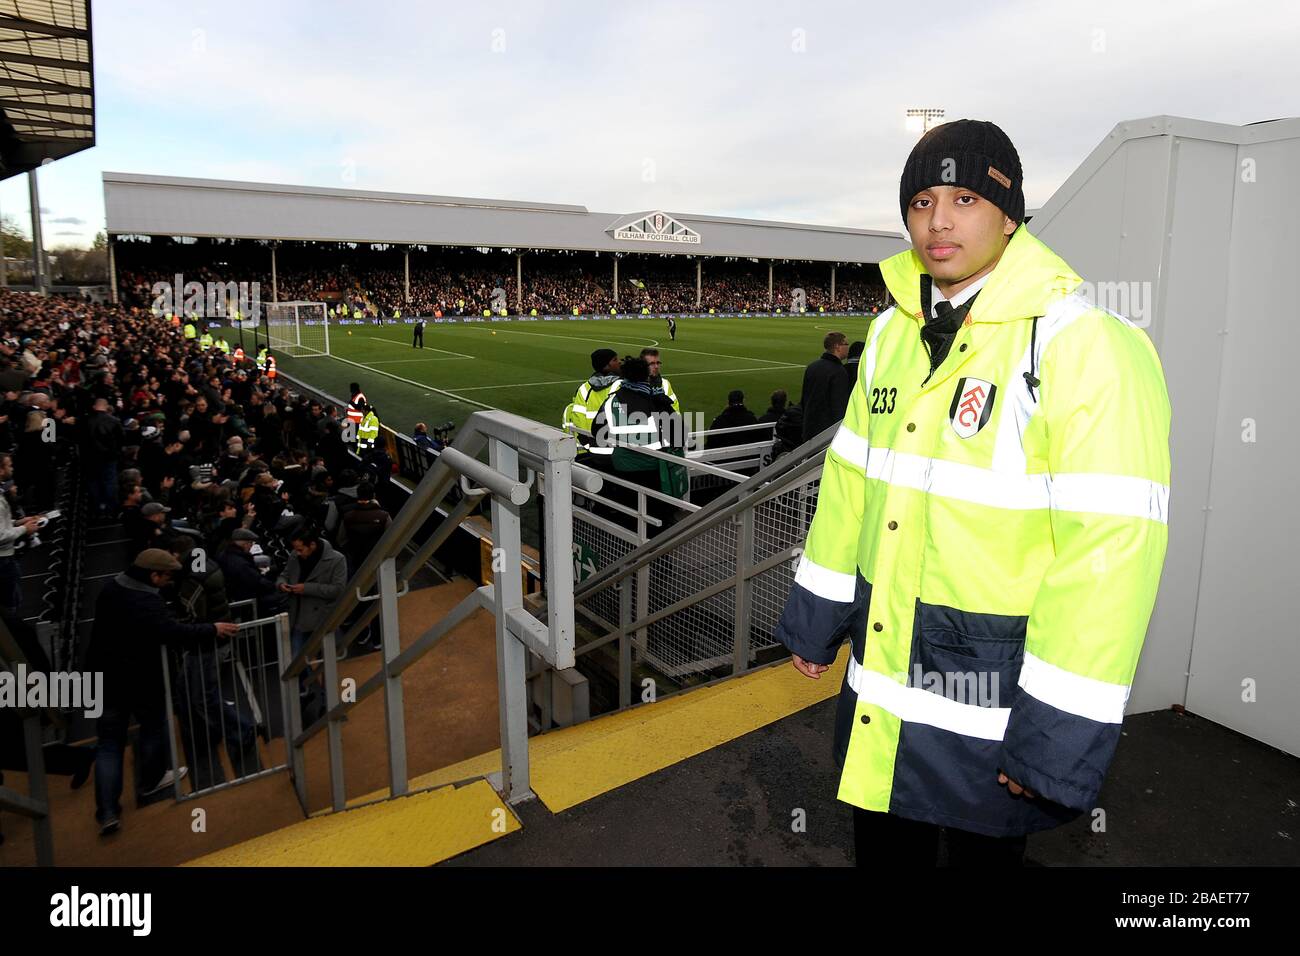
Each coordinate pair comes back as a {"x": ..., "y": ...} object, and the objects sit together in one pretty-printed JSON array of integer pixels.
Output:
[{"x": 762, "y": 109}]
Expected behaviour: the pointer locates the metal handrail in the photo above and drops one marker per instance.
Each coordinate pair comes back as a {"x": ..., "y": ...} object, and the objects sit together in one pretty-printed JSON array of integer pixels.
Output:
[
  {"x": 789, "y": 468},
  {"x": 512, "y": 442},
  {"x": 691, "y": 464},
  {"x": 425, "y": 497}
]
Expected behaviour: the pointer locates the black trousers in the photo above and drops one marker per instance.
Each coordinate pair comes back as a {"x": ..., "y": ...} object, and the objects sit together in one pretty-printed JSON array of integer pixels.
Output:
[
  {"x": 893, "y": 840},
  {"x": 417, "y": 338}
]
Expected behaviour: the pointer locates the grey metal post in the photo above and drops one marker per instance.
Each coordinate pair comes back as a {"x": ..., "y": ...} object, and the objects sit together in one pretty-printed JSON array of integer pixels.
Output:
[
  {"x": 832, "y": 283},
  {"x": 329, "y": 651},
  {"x": 38, "y": 241},
  {"x": 512, "y": 656},
  {"x": 519, "y": 282},
  {"x": 742, "y": 588},
  {"x": 291, "y": 705},
  {"x": 769, "y": 284},
  {"x": 170, "y": 703},
  {"x": 699, "y": 282},
  {"x": 275, "y": 288},
  {"x": 112, "y": 273},
  {"x": 558, "y": 524},
  {"x": 42, "y": 830},
  {"x": 625, "y": 644},
  {"x": 616, "y": 282},
  {"x": 406, "y": 281},
  {"x": 545, "y": 678},
  {"x": 394, "y": 714}
]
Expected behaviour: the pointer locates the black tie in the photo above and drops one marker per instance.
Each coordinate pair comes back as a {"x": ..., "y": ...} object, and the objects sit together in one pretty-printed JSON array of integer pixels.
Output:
[{"x": 938, "y": 332}]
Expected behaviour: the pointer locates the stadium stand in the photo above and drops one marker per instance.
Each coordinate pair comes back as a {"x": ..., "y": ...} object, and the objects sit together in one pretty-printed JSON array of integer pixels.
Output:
[{"x": 460, "y": 281}]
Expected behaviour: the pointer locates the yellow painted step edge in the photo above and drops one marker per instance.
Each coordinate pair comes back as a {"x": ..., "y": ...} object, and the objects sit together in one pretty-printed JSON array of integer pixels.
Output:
[{"x": 417, "y": 830}]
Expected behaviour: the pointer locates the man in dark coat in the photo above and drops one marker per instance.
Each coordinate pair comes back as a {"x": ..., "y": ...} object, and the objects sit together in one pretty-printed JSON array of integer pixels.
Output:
[
  {"x": 102, "y": 446},
  {"x": 314, "y": 579},
  {"x": 776, "y": 408},
  {"x": 362, "y": 526},
  {"x": 359, "y": 531},
  {"x": 735, "y": 415},
  {"x": 131, "y": 623},
  {"x": 243, "y": 580},
  {"x": 826, "y": 388},
  {"x": 212, "y": 700}
]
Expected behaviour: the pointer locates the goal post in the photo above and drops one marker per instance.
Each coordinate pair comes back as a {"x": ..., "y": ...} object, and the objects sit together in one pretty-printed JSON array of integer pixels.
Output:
[{"x": 297, "y": 329}]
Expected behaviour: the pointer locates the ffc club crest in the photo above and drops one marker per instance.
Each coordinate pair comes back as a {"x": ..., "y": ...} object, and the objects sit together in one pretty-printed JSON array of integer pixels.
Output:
[{"x": 972, "y": 406}]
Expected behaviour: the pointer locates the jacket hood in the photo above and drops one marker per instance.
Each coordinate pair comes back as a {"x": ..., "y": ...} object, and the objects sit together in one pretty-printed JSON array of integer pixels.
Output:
[
  {"x": 603, "y": 381},
  {"x": 1026, "y": 281}
]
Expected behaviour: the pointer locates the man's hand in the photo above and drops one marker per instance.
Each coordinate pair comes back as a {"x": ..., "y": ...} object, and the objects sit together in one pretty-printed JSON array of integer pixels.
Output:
[
  {"x": 808, "y": 668},
  {"x": 1014, "y": 787},
  {"x": 30, "y": 524},
  {"x": 291, "y": 588},
  {"x": 226, "y": 629}
]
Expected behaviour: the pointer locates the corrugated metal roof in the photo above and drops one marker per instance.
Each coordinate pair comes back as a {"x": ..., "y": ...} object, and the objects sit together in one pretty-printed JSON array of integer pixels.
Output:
[
  {"x": 175, "y": 206},
  {"x": 47, "y": 93}
]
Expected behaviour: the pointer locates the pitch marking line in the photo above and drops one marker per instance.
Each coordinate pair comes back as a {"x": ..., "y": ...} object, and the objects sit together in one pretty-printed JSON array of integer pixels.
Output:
[
  {"x": 566, "y": 381},
  {"x": 654, "y": 343}
]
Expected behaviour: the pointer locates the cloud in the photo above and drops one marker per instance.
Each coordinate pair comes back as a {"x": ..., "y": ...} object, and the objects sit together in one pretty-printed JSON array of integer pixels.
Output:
[
  {"x": 762, "y": 109},
  {"x": 69, "y": 221}
]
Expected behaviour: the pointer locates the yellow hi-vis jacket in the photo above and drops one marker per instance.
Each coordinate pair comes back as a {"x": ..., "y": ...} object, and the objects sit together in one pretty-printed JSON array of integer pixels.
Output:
[
  {"x": 205, "y": 341},
  {"x": 672, "y": 396},
  {"x": 991, "y": 543},
  {"x": 190, "y": 331},
  {"x": 368, "y": 431},
  {"x": 582, "y": 411}
]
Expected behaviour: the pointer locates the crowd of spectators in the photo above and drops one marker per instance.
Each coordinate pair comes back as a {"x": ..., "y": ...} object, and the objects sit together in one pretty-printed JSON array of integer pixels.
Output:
[
  {"x": 469, "y": 281},
  {"x": 227, "y": 486}
]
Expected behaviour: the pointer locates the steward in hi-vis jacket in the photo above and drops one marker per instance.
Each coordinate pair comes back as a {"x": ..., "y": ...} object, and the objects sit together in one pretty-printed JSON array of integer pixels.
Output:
[
  {"x": 992, "y": 517},
  {"x": 580, "y": 414}
]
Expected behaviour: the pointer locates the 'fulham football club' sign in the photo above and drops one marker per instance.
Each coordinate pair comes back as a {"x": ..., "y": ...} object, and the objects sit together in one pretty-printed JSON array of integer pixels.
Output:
[
  {"x": 972, "y": 405},
  {"x": 656, "y": 227}
]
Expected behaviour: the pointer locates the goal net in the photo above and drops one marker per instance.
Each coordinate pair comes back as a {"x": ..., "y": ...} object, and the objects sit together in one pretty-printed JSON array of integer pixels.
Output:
[{"x": 297, "y": 328}]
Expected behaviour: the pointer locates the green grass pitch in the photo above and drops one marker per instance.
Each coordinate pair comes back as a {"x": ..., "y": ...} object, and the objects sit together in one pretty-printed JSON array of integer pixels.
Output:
[{"x": 533, "y": 368}]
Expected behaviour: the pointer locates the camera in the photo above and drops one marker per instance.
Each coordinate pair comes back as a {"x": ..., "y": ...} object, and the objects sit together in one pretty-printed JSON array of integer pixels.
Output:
[{"x": 442, "y": 433}]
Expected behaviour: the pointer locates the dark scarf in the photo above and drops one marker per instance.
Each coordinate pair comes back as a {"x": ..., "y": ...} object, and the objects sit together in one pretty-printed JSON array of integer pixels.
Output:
[{"x": 938, "y": 332}]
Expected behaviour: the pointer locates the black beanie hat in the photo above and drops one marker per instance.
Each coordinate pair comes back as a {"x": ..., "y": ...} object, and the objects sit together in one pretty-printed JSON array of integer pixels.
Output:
[
  {"x": 600, "y": 358},
  {"x": 983, "y": 160}
]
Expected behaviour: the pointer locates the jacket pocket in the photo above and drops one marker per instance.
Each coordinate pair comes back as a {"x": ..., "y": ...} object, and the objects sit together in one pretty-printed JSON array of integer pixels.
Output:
[{"x": 982, "y": 671}]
